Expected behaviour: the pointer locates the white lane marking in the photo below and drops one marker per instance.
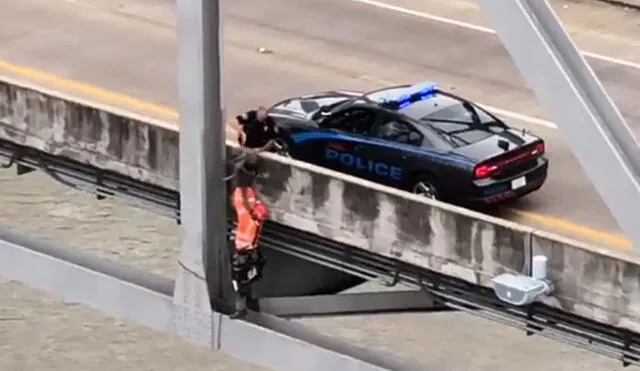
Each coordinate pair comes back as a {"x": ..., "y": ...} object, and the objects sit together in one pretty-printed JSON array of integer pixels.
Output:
[
  {"x": 519, "y": 116},
  {"x": 470, "y": 26}
]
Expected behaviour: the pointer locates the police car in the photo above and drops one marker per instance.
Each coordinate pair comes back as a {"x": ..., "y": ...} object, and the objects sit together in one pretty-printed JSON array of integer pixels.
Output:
[{"x": 417, "y": 138}]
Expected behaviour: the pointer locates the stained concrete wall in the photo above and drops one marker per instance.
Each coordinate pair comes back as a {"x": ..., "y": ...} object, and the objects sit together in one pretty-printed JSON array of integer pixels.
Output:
[
  {"x": 592, "y": 282},
  {"x": 105, "y": 137},
  {"x": 392, "y": 223}
]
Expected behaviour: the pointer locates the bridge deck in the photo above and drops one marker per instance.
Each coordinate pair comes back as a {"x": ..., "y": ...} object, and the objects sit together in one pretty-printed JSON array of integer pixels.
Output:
[{"x": 128, "y": 41}]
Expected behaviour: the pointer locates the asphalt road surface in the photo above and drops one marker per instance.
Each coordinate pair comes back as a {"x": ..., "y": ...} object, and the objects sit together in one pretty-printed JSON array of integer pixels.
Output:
[{"x": 129, "y": 47}]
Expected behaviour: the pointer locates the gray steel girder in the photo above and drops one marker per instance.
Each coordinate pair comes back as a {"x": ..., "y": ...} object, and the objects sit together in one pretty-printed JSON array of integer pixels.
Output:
[{"x": 569, "y": 89}]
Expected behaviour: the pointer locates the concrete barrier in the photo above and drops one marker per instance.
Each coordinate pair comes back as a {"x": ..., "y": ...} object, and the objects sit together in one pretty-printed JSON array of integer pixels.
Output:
[
  {"x": 591, "y": 282},
  {"x": 392, "y": 223},
  {"x": 102, "y": 136}
]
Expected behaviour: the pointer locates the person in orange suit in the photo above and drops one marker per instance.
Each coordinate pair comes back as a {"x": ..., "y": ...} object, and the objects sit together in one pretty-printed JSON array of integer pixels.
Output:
[
  {"x": 251, "y": 213},
  {"x": 247, "y": 262}
]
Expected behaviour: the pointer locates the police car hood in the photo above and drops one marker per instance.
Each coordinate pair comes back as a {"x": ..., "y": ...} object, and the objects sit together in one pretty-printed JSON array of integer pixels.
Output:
[{"x": 304, "y": 107}]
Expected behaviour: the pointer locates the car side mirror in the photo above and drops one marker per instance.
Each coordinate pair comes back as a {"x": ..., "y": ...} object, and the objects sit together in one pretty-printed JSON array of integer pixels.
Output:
[
  {"x": 322, "y": 114},
  {"x": 324, "y": 111}
]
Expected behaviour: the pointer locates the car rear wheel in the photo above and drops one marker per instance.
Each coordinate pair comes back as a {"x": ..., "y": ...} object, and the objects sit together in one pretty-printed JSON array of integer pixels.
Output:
[{"x": 426, "y": 188}]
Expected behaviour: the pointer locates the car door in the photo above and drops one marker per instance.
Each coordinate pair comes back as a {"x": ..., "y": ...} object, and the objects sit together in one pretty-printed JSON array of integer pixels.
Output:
[
  {"x": 394, "y": 150},
  {"x": 344, "y": 134}
]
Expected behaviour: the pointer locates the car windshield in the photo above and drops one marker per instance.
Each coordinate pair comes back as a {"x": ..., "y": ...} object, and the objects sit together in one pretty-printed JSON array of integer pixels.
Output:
[
  {"x": 458, "y": 122},
  {"x": 460, "y": 113}
]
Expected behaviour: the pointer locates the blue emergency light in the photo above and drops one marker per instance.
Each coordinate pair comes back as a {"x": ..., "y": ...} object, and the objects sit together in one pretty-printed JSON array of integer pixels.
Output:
[{"x": 412, "y": 94}]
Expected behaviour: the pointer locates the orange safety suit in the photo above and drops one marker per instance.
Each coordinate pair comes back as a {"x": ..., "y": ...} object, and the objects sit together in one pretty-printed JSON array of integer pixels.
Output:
[{"x": 251, "y": 213}]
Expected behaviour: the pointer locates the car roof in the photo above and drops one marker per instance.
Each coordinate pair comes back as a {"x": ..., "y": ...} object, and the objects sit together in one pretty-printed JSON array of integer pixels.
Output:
[
  {"x": 436, "y": 100},
  {"x": 433, "y": 102},
  {"x": 426, "y": 104}
]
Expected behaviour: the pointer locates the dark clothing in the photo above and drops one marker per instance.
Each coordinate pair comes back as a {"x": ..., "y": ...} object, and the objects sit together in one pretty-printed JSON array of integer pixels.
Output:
[
  {"x": 246, "y": 268},
  {"x": 258, "y": 134}
]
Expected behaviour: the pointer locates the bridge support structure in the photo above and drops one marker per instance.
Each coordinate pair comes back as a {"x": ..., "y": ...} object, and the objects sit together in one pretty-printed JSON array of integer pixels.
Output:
[
  {"x": 567, "y": 87},
  {"x": 204, "y": 279}
]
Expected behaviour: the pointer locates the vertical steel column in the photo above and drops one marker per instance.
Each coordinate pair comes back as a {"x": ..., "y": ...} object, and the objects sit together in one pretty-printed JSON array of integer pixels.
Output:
[
  {"x": 567, "y": 87},
  {"x": 202, "y": 169}
]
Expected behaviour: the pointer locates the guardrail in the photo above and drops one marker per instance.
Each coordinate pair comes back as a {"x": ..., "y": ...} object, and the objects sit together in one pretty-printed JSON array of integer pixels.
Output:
[{"x": 590, "y": 282}]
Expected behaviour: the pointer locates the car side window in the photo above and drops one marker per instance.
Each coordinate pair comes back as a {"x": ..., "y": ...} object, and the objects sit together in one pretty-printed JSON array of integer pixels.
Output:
[
  {"x": 351, "y": 120},
  {"x": 399, "y": 132}
]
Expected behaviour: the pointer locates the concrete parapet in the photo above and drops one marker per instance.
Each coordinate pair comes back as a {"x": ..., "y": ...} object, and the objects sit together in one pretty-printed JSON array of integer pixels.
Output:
[
  {"x": 102, "y": 136},
  {"x": 591, "y": 282},
  {"x": 444, "y": 238}
]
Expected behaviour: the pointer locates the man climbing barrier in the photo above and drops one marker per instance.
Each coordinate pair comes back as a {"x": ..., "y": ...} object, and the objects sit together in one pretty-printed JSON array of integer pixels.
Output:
[{"x": 255, "y": 133}]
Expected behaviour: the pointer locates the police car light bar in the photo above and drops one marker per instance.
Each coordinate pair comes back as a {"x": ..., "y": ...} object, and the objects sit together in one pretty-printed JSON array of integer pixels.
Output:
[
  {"x": 414, "y": 94},
  {"x": 423, "y": 88}
]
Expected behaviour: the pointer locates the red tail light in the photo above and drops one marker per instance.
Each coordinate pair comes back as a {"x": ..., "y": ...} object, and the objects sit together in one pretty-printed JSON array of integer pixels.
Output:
[
  {"x": 484, "y": 171},
  {"x": 538, "y": 150}
]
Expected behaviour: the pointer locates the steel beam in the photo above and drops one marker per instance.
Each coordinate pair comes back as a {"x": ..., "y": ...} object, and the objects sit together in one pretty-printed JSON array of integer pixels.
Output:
[
  {"x": 202, "y": 189},
  {"x": 75, "y": 277},
  {"x": 145, "y": 298},
  {"x": 361, "y": 303},
  {"x": 568, "y": 88}
]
